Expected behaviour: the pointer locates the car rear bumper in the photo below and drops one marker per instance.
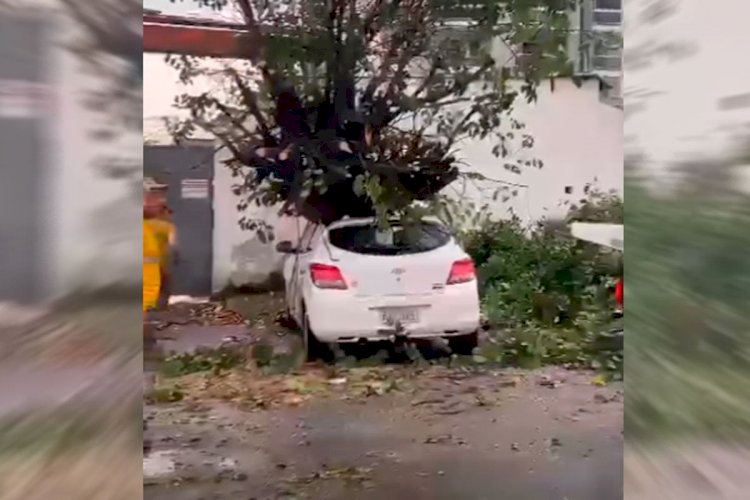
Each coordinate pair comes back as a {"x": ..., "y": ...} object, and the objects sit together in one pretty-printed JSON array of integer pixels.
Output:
[{"x": 348, "y": 318}]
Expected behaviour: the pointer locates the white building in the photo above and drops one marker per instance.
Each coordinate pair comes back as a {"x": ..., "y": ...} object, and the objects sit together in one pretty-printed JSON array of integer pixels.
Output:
[{"x": 598, "y": 32}]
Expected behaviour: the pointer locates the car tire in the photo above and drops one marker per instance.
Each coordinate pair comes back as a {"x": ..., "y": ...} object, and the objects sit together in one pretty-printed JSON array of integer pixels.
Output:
[
  {"x": 464, "y": 345},
  {"x": 314, "y": 349},
  {"x": 287, "y": 320}
]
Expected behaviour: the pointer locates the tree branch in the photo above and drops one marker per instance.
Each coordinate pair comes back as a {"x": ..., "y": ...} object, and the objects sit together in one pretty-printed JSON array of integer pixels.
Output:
[{"x": 250, "y": 99}]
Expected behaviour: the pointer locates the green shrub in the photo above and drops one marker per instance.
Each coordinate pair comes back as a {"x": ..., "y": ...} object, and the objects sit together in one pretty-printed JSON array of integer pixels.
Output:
[
  {"x": 598, "y": 206},
  {"x": 539, "y": 275},
  {"x": 590, "y": 344},
  {"x": 546, "y": 295},
  {"x": 216, "y": 361}
]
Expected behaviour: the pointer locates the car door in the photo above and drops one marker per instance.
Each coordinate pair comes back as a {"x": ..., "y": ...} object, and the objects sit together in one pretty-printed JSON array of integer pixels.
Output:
[{"x": 295, "y": 273}]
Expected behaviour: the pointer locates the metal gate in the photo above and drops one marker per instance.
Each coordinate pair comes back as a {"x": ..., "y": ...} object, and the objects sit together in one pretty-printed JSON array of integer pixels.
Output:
[
  {"x": 24, "y": 118},
  {"x": 188, "y": 173}
]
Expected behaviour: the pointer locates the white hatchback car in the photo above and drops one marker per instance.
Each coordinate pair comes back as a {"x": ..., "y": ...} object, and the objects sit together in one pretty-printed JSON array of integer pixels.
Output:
[{"x": 353, "y": 282}]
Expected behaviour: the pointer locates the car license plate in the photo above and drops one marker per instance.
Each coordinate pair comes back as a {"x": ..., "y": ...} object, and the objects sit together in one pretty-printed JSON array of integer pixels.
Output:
[{"x": 403, "y": 316}]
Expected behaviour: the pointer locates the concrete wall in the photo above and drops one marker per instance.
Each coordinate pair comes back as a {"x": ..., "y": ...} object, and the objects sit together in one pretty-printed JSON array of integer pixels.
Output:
[
  {"x": 240, "y": 257},
  {"x": 89, "y": 238},
  {"x": 578, "y": 138}
]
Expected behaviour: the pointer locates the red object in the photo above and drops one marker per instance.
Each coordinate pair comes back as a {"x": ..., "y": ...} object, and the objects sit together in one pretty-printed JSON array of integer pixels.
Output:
[
  {"x": 198, "y": 37},
  {"x": 619, "y": 292},
  {"x": 199, "y": 41},
  {"x": 462, "y": 272},
  {"x": 325, "y": 276}
]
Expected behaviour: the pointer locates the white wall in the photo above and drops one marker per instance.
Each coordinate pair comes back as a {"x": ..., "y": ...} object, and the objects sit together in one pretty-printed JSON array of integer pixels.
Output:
[
  {"x": 78, "y": 250},
  {"x": 240, "y": 257},
  {"x": 578, "y": 138}
]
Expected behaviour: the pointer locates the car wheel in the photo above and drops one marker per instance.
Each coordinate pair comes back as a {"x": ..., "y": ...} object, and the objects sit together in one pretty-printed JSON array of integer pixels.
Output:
[
  {"x": 314, "y": 349},
  {"x": 464, "y": 345},
  {"x": 287, "y": 320}
]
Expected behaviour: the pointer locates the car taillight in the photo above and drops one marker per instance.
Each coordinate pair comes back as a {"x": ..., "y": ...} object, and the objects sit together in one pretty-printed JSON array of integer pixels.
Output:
[
  {"x": 462, "y": 272},
  {"x": 324, "y": 276},
  {"x": 619, "y": 293}
]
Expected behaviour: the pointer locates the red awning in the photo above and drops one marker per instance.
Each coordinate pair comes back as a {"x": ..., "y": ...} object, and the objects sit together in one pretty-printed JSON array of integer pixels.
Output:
[{"x": 198, "y": 37}]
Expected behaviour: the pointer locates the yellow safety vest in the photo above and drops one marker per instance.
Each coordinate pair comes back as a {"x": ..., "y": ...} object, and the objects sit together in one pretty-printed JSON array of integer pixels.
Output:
[{"x": 152, "y": 256}]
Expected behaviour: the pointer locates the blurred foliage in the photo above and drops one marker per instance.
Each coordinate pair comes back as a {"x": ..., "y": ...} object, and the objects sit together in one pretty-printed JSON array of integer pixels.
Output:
[
  {"x": 688, "y": 298},
  {"x": 51, "y": 433},
  {"x": 593, "y": 342},
  {"x": 598, "y": 206},
  {"x": 542, "y": 275},
  {"x": 547, "y": 296}
]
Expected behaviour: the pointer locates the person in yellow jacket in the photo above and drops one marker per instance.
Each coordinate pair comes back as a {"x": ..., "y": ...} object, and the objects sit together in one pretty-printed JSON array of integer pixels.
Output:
[
  {"x": 156, "y": 216},
  {"x": 167, "y": 236},
  {"x": 152, "y": 258},
  {"x": 151, "y": 269}
]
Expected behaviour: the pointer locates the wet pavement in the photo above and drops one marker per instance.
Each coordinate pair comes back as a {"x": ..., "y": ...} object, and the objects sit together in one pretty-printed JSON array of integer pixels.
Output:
[
  {"x": 447, "y": 434},
  {"x": 68, "y": 358},
  {"x": 25, "y": 387},
  {"x": 532, "y": 442},
  {"x": 71, "y": 394}
]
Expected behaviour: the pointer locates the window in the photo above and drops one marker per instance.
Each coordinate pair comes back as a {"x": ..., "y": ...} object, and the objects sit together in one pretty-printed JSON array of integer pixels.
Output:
[
  {"x": 607, "y": 18},
  {"x": 397, "y": 240},
  {"x": 608, "y": 12},
  {"x": 608, "y": 4},
  {"x": 608, "y": 62},
  {"x": 607, "y": 52},
  {"x": 458, "y": 41}
]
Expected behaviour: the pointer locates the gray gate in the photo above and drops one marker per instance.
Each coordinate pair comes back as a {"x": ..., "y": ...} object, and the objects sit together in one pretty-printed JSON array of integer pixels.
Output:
[
  {"x": 24, "y": 116},
  {"x": 188, "y": 171}
]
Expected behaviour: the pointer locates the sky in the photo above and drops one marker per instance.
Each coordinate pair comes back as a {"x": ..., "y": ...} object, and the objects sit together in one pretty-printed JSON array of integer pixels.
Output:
[{"x": 176, "y": 7}]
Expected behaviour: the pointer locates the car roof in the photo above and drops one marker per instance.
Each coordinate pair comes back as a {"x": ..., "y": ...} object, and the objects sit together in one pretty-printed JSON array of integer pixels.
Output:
[{"x": 366, "y": 221}]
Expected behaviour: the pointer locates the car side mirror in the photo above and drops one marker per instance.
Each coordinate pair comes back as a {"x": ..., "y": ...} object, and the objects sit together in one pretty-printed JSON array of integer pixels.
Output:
[{"x": 286, "y": 247}]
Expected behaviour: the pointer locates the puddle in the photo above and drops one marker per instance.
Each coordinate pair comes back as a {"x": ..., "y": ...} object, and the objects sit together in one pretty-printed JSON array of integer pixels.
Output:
[
  {"x": 228, "y": 464},
  {"x": 189, "y": 338},
  {"x": 159, "y": 464}
]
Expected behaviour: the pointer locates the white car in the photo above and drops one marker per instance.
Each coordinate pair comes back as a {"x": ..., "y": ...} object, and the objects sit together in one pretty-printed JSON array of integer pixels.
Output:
[{"x": 353, "y": 282}]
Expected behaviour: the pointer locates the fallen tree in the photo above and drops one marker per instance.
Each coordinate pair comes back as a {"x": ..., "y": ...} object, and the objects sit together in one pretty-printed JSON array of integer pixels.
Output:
[{"x": 360, "y": 107}]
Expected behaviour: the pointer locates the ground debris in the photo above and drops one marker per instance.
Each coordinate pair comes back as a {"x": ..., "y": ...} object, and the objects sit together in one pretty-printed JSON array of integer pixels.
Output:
[
  {"x": 428, "y": 401},
  {"x": 353, "y": 476},
  {"x": 201, "y": 313},
  {"x": 602, "y": 398},
  {"x": 445, "y": 439},
  {"x": 548, "y": 381},
  {"x": 252, "y": 388}
]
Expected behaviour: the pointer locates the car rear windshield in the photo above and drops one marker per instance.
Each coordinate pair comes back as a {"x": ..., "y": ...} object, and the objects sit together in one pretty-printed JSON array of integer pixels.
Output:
[{"x": 396, "y": 240}]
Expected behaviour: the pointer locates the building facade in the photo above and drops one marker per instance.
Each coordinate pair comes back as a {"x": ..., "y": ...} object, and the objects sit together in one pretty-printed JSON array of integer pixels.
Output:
[{"x": 597, "y": 44}]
